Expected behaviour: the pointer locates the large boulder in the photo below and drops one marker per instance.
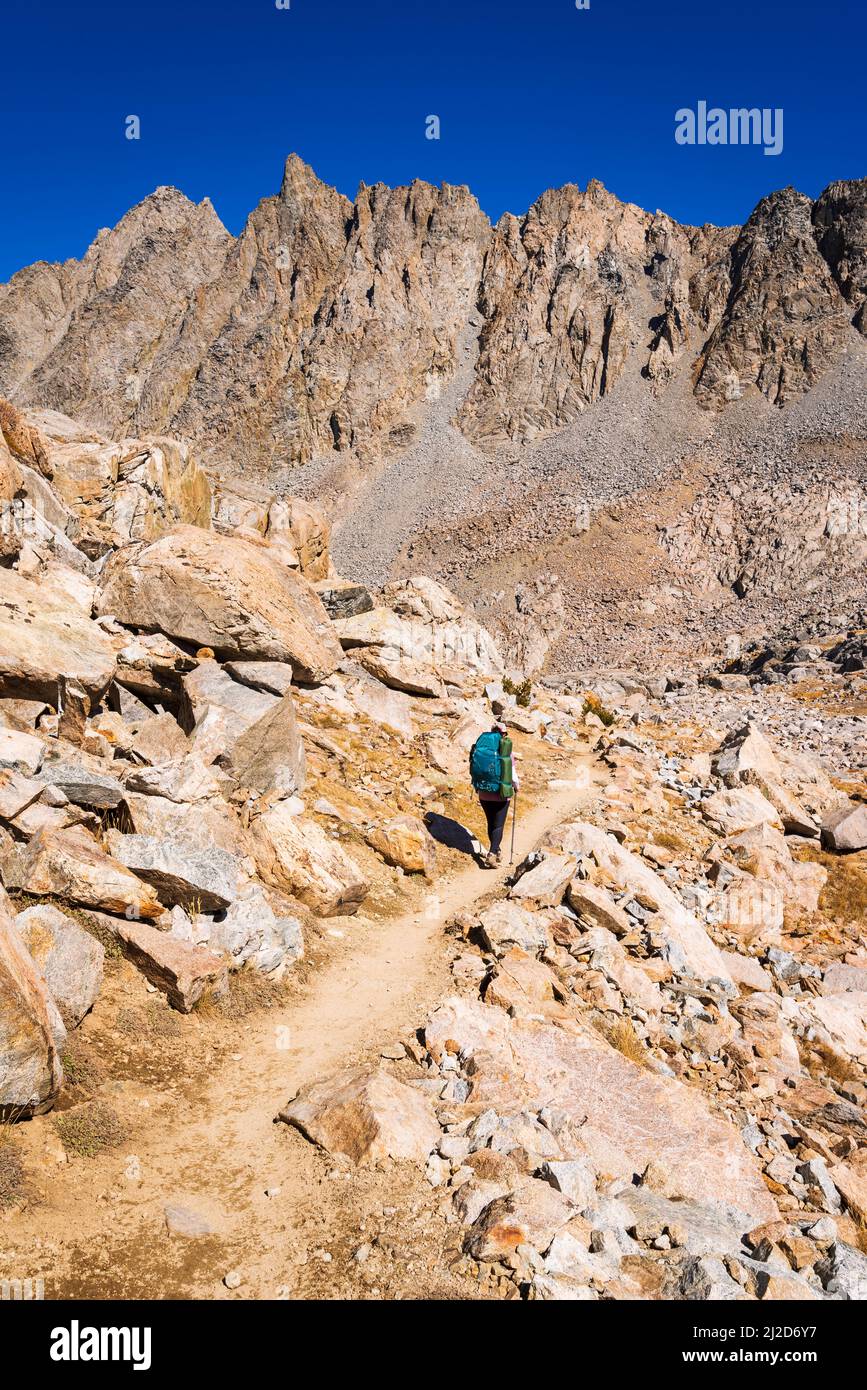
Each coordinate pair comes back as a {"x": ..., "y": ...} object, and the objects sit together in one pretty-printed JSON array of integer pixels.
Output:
[
  {"x": 843, "y": 1272},
  {"x": 390, "y": 708},
  {"x": 69, "y": 864},
  {"x": 628, "y": 1116},
  {"x": 507, "y": 924},
  {"x": 10, "y": 473},
  {"x": 210, "y": 688},
  {"x": 82, "y": 785},
  {"x": 240, "y": 502},
  {"x": 845, "y": 830},
  {"x": 596, "y": 907},
  {"x": 260, "y": 928},
  {"x": 366, "y": 1115},
  {"x": 344, "y": 599},
  {"x": 419, "y": 637},
  {"x": 844, "y": 979},
  {"x": 405, "y": 841},
  {"x": 44, "y": 636},
  {"x": 841, "y": 1020},
  {"x": 740, "y": 809},
  {"x": 159, "y": 740},
  {"x": 17, "y": 792},
  {"x": 423, "y": 598},
  {"x": 745, "y": 751},
  {"x": 273, "y": 677},
  {"x": 205, "y": 878},
  {"x": 546, "y": 882},
  {"x": 69, "y": 959},
  {"x": 187, "y": 781},
  {"x": 392, "y": 650},
  {"x": 183, "y": 971},
  {"x": 746, "y": 758},
  {"x": 269, "y": 756},
  {"x": 806, "y": 777},
  {"x": 159, "y": 485},
  {"x": 224, "y": 593},
  {"x": 522, "y": 985},
  {"x": 22, "y": 438},
  {"x": 532, "y": 1215},
  {"x": 200, "y": 825},
  {"x": 20, "y": 752},
  {"x": 10, "y": 486},
  {"x": 31, "y": 1029},
  {"x": 307, "y": 531},
  {"x": 752, "y": 908},
  {"x": 296, "y": 856},
  {"x": 151, "y": 667},
  {"x": 399, "y": 671},
  {"x": 763, "y": 852}
]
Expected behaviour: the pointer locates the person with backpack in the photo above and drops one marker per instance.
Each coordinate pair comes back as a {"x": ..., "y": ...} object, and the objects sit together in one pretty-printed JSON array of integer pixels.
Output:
[{"x": 495, "y": 782}]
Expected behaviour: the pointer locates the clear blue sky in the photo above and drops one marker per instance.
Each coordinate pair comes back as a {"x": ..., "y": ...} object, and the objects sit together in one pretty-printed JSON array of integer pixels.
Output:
[{"x": 529, "y": 95}]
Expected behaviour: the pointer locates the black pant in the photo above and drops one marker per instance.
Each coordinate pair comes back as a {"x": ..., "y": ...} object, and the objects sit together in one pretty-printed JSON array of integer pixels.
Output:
[{"x": 495, "y": 814}]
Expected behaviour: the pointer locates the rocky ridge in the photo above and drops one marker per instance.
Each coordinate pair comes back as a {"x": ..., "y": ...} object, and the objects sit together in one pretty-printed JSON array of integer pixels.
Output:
[{"x": 328, "y": 324}]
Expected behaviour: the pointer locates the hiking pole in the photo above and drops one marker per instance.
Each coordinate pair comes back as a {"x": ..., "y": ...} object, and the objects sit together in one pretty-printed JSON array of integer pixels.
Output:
[{"x": 514, "y": 813}]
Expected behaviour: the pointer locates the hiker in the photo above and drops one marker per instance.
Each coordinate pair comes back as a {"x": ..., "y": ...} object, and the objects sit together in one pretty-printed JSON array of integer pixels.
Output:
[{"x": 495, "y": 782}]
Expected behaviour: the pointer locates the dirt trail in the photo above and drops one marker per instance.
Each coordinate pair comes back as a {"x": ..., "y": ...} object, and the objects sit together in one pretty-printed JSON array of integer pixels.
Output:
[
  {"x": 368, "y": 998},
  {"x": 223, "y": 1154}
]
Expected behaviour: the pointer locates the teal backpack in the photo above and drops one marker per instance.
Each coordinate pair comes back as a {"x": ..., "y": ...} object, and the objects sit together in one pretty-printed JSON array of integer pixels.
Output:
[{"x": 491, "y": 764}]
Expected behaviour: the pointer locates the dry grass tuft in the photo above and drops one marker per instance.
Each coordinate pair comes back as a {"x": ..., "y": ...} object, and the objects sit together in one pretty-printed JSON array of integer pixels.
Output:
[
  {"x": 90, "y": 1129},
  {"x": 824, "y": 1063},
  {"x": 844, "y": 896},
  {"x": 669, "y": 839},
  {"x": 248, "y": 992},
  {"x": 622, "y": 1036},
  {"x": 115, "y": 818},
  {"x": 12, "y": 1181},
  {"x": 593, "y": 705},
  {"x": 80, "y": 1067}
]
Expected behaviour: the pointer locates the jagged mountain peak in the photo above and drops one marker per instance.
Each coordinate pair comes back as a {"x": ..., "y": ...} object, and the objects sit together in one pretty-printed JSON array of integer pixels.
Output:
[{"x": 332, "y": 325}]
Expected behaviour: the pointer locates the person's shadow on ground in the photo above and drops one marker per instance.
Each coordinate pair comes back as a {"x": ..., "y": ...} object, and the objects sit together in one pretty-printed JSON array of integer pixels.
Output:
[{"x": 451, "y": 833}]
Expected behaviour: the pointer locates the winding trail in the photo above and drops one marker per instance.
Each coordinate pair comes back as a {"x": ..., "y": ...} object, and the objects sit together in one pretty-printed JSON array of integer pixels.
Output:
[{"x": 222, "y": 1154}]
